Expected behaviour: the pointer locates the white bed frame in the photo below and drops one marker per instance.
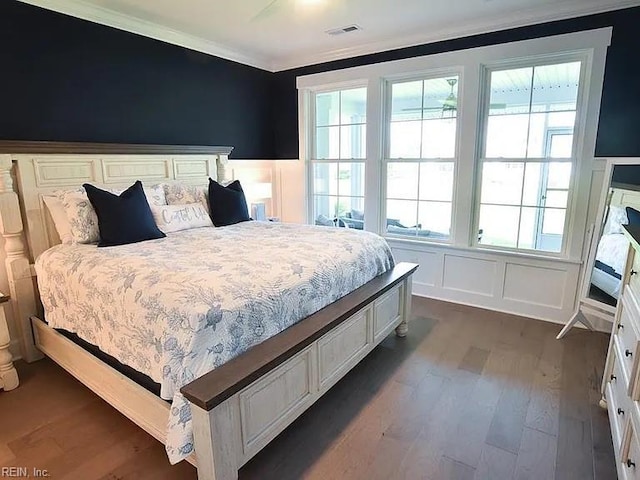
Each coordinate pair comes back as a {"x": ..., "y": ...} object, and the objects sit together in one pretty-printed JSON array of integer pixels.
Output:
[{"x": 253, "y": 409}]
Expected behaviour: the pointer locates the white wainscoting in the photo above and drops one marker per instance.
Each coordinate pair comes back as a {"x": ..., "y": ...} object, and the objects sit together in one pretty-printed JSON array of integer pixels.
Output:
[
  {"x": 542, "y": 288},
  {"x": 466, "y": 274},
  {"x": 287, "y": 181},
  {"x": 539, "y": 288}
]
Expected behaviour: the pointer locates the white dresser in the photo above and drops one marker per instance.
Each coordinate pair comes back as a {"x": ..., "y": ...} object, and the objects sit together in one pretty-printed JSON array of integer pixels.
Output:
[{"x": 621, "y": 382}]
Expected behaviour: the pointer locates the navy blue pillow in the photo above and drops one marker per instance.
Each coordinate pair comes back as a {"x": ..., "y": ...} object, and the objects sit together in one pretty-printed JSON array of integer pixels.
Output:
[
  {"x": 124, "y": 218},
  {"x": 634, "y": 217},
  {"x": 228, "y": 205}
]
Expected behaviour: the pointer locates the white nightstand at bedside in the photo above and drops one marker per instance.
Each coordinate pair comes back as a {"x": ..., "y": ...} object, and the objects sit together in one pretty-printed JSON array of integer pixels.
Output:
[{"x": 8, "y": 374}]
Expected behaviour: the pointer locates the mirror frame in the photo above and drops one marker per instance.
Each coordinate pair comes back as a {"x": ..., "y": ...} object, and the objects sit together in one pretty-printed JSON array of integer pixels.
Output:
[{"x": 594, "y": 232}]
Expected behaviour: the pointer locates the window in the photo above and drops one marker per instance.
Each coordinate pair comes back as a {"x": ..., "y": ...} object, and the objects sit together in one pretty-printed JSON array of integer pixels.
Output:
[
  {"x": 338, "y": 158},
  {"x": 528, "y": 155},
  {"x": 480, "y": 150},
  {"x": 421, "y": 157}
]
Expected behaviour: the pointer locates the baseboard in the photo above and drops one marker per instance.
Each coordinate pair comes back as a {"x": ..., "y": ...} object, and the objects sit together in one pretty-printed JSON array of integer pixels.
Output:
[{"x": 420, "y": 290}]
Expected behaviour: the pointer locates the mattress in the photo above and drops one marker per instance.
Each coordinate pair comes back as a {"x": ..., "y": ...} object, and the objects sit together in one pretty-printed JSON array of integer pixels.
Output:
[
  {"x": 605, "y": 281},
  {"x": 176, "y": 308},
  {"x": 608, "y": 269},
  {"x": 131, "y": 373}
]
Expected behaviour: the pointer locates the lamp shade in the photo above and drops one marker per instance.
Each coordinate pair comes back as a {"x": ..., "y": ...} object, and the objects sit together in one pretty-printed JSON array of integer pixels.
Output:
[{"x": 259, "y": 191}]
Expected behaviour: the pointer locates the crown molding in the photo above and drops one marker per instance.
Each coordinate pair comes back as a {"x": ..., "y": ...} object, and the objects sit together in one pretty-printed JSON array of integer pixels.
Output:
[
  {"x": 30, "y": 147},
  {"x": 111, "y": 18},
  {"x": 532, "y": 16},
  {"x": 522, "y": 18}
]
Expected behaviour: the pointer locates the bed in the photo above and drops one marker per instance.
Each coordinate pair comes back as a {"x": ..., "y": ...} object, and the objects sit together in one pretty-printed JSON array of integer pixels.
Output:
[
  {"x": 303, "y": 336},
  {"x": 611, "y": 258},
  {"x": 611, "y": 254}
]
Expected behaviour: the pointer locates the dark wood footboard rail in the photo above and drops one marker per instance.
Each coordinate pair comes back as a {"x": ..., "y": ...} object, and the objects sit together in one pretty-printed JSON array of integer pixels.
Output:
[{"x": 215, "y": 387}]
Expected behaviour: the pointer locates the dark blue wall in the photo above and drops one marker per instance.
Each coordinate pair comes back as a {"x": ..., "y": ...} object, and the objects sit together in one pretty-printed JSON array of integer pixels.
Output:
[
  {"x": 66, "y": 79},
  {"x": 626, "y": 174},
  {"x": 619, "y": 129}
]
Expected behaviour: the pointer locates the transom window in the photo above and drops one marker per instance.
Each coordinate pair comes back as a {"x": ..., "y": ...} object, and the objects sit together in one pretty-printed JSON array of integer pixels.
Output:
[
  {"x": 421, "y": 157},
  {"x": 528, "y": 155},
  {"x": 337, "y": 163}
]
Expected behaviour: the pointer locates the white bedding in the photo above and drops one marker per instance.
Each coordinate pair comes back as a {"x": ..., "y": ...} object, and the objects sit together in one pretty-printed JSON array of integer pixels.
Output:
[
  {"x": 175, "y": 308},
  {"x": 612, "y": 251},
  {"x": 606, "y": 282}
]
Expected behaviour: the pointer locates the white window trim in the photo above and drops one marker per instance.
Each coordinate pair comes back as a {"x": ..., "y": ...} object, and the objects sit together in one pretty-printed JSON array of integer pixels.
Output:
[
  {"x": 310, "y": 140},
  {"x": 470, "y": 62},
  {"x": 386, "y": 145},
  {"x": 586, "y": 59}
]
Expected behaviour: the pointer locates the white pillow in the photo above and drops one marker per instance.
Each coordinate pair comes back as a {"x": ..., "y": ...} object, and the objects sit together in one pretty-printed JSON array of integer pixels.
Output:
[
  {"x": 183, "y": 194},
  {"x": 59, "y": 217},
  {"x": 81, "y": 215},
  {"x": 616, "y": 217},
  {"x": 82, "y": 218},
  {"x": 155, "y": 194},
  {"x": 173, "y": 218}
]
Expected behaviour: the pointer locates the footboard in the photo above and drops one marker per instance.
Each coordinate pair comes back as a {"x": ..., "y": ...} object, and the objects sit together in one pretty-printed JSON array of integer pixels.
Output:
[{"x": 241, "y": 406}]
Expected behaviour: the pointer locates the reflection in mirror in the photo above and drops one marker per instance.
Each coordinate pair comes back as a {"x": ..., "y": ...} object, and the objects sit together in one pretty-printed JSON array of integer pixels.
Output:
[{"x": 622, "y": 207}]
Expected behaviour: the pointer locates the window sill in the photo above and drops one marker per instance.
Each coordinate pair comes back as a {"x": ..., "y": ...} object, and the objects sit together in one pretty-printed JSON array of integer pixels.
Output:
[{"x": 416, "y": 244}]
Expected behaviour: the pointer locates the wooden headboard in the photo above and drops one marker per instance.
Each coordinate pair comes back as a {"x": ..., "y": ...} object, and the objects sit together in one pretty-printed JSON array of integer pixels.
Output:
[
  {"x": 625, "y": 198},
  {"x": 30, "y": 170}
]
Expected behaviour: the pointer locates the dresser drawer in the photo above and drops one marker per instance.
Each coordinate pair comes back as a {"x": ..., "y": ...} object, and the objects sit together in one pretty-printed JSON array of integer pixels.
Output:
[
  {"x": 630, "y": 457},
  {"x": 626, "y": 335},
  {"x": 618, "y": 402}
]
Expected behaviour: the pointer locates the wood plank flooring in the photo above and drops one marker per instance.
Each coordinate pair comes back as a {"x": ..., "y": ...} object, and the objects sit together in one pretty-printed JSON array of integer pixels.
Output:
[{"x": 468, "y": 394}]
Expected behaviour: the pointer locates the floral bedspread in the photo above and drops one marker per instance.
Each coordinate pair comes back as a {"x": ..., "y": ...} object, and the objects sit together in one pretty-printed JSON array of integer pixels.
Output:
[{"x": 178, "y": 307}]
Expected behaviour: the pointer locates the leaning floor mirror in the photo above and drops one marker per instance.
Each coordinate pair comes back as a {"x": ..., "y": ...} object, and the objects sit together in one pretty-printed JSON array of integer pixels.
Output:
[{"x": 608, "y": 246}]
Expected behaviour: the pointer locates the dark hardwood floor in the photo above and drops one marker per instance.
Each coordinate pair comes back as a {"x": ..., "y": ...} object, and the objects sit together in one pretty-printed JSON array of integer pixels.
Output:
[{"x": 468, "y": 394}]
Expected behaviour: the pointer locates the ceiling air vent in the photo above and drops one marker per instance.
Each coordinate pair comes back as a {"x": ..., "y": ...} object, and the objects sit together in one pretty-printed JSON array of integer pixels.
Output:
[{"x": 341, "y": 30}]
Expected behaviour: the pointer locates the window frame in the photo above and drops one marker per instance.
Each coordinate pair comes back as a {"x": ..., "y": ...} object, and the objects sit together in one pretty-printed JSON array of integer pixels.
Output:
[
  {"x": 590, "y": 43},
  {"x": 310, "y": 130},
  {"x": 585, "y": 59},
  {"x": 387, "y": 92}
]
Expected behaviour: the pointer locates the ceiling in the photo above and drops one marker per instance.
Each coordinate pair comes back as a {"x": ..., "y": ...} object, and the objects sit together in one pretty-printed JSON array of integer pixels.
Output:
[{"x": 281, "y": 34}]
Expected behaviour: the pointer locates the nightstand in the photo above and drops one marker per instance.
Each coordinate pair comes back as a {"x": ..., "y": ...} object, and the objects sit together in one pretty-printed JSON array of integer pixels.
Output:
[{"x": 8, "y": 374}]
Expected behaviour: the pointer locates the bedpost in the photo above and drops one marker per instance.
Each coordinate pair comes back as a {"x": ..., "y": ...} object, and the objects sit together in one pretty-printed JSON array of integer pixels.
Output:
[
  {"x": 21, "y": 286},
  {"x": 222, "y": 162},
  {"x": 216, "y": 440},
  {"x": 403, "y": 328}
]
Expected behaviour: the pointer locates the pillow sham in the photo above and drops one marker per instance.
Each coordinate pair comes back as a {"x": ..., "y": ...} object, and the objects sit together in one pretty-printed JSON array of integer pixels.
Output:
[
  {"x": 228, "y": 204},
  {"x": 81, "y": 216},
  {"x": 124, "y": 218},
  {"x": 183, "y": 194},
  {"x": 155, "y": 194},
  {"x": 634, "y": 216},
  {"x": 616, "y": 217},
  {"x": 173, "y": 218},
  {"x": 59, "y": 217}
]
